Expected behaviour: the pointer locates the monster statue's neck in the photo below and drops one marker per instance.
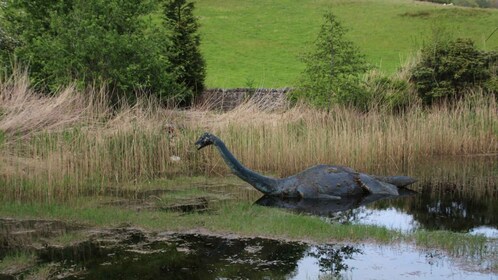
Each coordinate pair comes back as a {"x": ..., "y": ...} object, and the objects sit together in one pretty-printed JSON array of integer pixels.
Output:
[{"x": 262, "y": 183}]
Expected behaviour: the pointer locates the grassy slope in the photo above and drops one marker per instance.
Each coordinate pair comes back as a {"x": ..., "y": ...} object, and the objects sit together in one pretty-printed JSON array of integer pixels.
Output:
[{"x": 258, "y": 42}]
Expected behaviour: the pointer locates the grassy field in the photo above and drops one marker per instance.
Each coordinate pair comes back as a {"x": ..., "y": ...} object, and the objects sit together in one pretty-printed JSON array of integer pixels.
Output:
[{"x": 257, "y": 43}]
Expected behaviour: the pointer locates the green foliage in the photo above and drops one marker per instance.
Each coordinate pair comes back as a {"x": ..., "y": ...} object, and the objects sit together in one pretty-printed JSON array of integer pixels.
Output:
[
  {"x": 114, "y": 43},
  {"x": 184, "y": 53},
  {"x": 389, "y": 92},
  {"x": 448, "y": 67},
  {"x": 333, "y": 69}
]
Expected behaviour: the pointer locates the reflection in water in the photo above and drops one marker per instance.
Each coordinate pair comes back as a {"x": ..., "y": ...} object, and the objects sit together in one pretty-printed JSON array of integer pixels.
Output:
[
  {"x": 208, "y": 257},
  {"x": 489, "y": 232},
  {"x": 324, "y": 207},
  {"x": 459, "y": 195},
  {"x": 390, "y": 218},
  {"x": 331, "y": 260},
  {"x": 439, "y": 207},
  {"x": 200, "y": 257}
]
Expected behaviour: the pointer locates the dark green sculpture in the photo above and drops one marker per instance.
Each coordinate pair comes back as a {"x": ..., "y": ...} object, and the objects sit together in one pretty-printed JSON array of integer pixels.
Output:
[{"x": 320, "y": 181}]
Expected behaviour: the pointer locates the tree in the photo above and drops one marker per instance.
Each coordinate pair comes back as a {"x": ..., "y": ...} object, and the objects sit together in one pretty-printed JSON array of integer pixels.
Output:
[
  {"x": 333, "y": 68},
  {"x": 109, "y": 42},
  {"x": 184, "y": 54}
]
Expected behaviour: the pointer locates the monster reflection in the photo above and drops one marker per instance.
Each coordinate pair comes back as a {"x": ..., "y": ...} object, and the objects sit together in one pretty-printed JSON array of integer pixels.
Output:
[{"x": 434, "y": 207}]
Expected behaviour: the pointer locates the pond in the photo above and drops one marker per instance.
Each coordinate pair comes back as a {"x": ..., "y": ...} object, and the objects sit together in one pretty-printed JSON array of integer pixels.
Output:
[
  {"x": 210, "y": 257},
  {"x": 459, "y": 194}
]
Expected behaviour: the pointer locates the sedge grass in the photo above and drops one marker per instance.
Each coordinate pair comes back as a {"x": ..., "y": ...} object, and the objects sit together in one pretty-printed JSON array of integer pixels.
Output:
[{"x": 17, "y": 262}]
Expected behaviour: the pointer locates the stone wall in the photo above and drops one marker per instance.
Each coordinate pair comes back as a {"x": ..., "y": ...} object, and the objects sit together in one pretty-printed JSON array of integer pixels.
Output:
[{"x": 227, "y": 99}]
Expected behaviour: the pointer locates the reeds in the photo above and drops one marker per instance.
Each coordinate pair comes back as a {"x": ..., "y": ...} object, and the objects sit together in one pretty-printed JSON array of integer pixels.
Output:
[
  {"x": 286, "y": 142},
  {"x": 69, "y": 144}
]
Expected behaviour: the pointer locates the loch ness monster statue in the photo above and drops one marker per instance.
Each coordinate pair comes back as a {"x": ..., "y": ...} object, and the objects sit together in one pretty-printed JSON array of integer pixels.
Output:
[{"x": 317, "y": 182}]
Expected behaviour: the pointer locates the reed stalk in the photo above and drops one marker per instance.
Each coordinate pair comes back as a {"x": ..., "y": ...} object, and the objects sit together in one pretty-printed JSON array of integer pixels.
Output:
[{"x": 70, "y": 144}]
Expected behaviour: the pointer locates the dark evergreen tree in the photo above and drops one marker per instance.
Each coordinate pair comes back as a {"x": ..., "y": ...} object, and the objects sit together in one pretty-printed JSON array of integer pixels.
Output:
[{"x": 184, "y": 55}]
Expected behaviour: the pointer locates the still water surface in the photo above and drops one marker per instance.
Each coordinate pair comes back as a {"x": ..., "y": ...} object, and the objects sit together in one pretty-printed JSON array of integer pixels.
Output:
[
  {"x": 208, "y": 257},
  {"x": 457, "y": 195}
]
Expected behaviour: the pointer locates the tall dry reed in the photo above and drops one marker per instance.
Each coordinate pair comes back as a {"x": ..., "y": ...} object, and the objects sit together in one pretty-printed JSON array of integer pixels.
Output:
[
  {"x": 286, "y": 142},
  {"x": 71, "y": 143}
]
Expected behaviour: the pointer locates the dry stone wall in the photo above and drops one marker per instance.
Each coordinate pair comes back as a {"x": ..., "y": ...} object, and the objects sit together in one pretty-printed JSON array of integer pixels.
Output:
[{"x": 227, "y": 99}]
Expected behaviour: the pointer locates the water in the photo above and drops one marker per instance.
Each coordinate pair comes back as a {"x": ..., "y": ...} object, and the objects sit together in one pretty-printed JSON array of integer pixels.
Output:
[
  {"x": 456, "y": 195},
  {"x": 459, "y": 195},
  {"x": 209, "y": 257}
]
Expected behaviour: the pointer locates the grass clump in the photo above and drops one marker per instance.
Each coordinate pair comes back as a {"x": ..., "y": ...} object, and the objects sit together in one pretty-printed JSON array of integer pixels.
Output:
[
  {"x": 459, "y": 244},
  {"x": 17, "y": 262}
]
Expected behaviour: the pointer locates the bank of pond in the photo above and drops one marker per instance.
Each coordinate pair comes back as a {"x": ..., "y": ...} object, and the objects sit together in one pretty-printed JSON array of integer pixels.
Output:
[{"x": 212, "y": 228}]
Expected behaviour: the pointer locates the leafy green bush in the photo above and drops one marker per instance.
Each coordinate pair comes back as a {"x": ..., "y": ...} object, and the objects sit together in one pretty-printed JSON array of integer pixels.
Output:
[
  {"x": 389, "y": 92},
  {"x": 334, "y": 68},
  {"x": 111, "y": 42},
  {"x": 448, "y": 67}
]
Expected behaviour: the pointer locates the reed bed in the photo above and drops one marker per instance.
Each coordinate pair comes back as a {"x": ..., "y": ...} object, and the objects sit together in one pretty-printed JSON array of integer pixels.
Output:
[{"x": 62, "y": 146}]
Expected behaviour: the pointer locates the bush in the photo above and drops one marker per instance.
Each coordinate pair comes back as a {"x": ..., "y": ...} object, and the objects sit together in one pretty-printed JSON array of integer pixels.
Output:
[
  {"x": 447, "y": 68},
  {"x": 110, "y": 42},
  {"x": 392, "y": 93},
  {"x": 333, "y": 69}
]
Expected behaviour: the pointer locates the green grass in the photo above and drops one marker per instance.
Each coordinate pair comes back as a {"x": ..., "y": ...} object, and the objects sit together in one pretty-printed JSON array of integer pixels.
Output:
[
  {"x": 460, "y": 244},
  {"x": 17, "y": 262},
  {"x": 258, "y": 43}
]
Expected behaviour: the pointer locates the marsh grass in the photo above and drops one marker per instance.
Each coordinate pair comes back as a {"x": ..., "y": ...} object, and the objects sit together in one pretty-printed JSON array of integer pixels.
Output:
[
  {"x": 63, "y": 146},
  {"x": 17, "y": 262},
  {"x": 69, "y": 238},
  {"x": 458, "y": 244},
  {"x": 23, "y": 265},
  {"x": 41, "y": 272}
]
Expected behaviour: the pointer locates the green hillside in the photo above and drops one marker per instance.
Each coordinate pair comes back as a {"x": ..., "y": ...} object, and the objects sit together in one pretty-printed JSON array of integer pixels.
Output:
[{"x": 258, "y": 42}]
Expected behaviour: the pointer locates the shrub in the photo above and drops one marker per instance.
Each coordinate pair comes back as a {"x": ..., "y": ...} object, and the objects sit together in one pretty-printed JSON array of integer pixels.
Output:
[
  {"x": 333, "y": 69},
  {"x": 448, "y": 67},
  {"x": 392, "y": 93}
]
